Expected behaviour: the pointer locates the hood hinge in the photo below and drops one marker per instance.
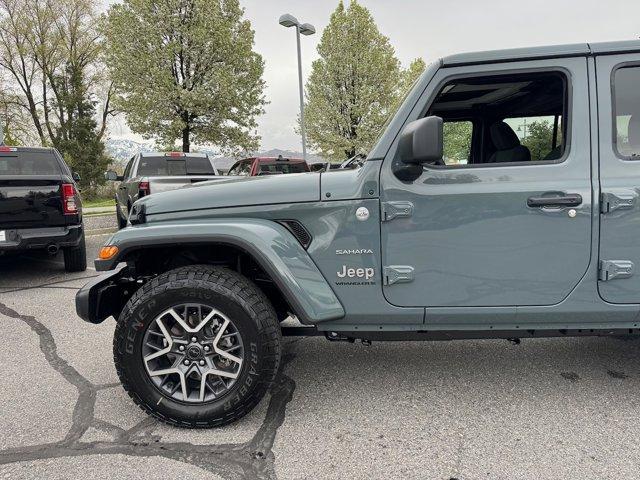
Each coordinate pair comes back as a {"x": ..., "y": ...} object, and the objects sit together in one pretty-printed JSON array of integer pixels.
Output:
[{"x": 391, "y": 210}]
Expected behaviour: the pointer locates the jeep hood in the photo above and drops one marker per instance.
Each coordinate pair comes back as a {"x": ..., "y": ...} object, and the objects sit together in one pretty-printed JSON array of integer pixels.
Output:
[{"x": 236, "y": 192}]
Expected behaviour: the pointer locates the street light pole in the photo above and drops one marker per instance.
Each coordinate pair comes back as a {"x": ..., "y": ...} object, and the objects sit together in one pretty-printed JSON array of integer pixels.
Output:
[
  {"x": 288, "y": 20},
  {"x": 302, "y": 132}
]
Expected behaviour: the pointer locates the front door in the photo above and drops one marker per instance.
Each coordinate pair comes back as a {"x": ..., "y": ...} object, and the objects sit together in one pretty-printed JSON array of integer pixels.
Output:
[
  {"x": 619, "y": 123},
  {"x": 506, "y": 218}
]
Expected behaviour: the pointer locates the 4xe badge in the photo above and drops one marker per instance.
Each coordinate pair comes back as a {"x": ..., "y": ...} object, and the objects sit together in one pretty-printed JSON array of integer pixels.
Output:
[{"x": 362, "y": 214}]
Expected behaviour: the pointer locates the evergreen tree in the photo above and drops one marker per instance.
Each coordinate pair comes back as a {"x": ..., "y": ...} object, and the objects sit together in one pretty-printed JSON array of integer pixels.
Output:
[{"x": 81, "y": 145}]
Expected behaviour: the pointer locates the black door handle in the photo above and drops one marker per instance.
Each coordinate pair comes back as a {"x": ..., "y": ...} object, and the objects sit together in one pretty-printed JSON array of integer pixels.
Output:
[{"x": 567, "y": 200}]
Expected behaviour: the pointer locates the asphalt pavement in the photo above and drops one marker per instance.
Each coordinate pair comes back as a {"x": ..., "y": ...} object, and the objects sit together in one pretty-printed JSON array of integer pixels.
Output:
[{"x": 544, "y": 409}]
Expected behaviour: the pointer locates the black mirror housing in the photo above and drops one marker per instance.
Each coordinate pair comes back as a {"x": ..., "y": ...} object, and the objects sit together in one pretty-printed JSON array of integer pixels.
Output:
[
  {"x": 421, "y": 141},
  {"x": 75, "y": 176}
]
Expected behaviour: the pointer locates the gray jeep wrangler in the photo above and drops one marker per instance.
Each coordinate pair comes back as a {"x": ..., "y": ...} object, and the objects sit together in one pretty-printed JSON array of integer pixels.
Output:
[{"x": 501, "y": 201}]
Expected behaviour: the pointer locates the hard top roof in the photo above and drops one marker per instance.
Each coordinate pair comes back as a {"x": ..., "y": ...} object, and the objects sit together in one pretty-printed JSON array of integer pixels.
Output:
[{"x": 534, "y": 53}]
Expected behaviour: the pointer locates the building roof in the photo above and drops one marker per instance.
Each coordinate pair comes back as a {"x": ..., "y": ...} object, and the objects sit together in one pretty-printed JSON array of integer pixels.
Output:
[{"x": 536, "y": 53}]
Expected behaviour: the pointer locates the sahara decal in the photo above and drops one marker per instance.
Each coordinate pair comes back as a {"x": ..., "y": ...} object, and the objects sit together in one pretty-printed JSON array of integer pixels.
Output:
[{"x": 357, "y": 251}]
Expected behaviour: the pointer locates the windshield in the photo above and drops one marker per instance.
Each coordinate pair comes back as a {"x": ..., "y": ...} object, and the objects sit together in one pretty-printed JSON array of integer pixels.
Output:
[
  {"x": 174, "y": 166},
  {"x": 284, "y": 167},
  {"x": 29, "y": 163}
]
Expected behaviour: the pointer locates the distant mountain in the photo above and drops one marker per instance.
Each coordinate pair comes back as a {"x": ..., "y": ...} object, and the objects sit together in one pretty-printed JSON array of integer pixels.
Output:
[{"x": 121, "y": 150}]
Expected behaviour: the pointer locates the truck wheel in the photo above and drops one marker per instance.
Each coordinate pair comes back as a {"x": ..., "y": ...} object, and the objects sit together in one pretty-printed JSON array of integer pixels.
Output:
[
  {"x": 75, "y": 258},
  {"x": 197, "y": 346},
  {"x": 122, "y": 222}
]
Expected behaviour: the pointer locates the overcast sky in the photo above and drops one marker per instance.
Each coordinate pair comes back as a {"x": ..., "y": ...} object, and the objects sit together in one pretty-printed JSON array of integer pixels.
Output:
[{"x": 420, "y": 28}]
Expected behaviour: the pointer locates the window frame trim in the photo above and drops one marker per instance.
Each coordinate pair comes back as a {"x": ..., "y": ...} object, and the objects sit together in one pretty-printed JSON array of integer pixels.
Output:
[
  {"x": 614, "y": 123},
  {"x": 568, "y": 107}
]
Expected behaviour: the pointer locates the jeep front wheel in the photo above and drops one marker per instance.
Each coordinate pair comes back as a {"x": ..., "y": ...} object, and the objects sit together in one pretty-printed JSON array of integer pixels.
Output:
[{"x": 197, "y": 347}]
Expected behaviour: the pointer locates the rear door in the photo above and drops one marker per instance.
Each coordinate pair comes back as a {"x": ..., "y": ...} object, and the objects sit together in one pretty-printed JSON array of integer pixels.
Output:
[
  {"x": 480, "y": 235},
  {"x": 618, "y": 79}
]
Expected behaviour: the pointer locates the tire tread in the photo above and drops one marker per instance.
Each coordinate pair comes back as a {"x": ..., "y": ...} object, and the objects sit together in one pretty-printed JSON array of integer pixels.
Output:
[{"x": 243, "y": 291}]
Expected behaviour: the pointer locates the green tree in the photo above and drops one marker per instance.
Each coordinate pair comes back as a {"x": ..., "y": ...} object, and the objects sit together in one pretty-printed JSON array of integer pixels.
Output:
[
  {"x": 50, "y": 54},
  {"x": 539, "y": 139},
  {"x": 186, "y": 69},
  {"x": 82, "y": 146},
  {"x": 408, "y": 78},
  {"x": 457, "y": 141},
  {"x": 353, "y": 86}
]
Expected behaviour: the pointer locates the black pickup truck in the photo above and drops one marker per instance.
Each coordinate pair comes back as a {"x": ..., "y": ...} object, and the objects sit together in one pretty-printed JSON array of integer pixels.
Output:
[{"x": 40, "y": 207}]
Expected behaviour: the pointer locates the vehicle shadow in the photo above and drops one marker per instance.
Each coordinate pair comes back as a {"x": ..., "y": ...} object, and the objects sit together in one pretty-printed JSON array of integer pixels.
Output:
[{"x": 33, "y": 269}]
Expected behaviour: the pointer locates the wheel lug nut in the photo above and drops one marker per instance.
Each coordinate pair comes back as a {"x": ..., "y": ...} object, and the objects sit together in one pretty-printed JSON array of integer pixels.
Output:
[
  {"x": 202, "y": 362},
  {"x": 181, "y": 348},
  {"x": 194, "y": 339},
  {"x": 206, "y": 348},
  {"x": 187, "y": 362}
]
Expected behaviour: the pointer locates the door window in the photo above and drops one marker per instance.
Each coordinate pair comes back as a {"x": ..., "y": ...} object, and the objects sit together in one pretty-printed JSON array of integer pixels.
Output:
[
  {"x": 127, "y": 170},
  {"x": 243, "y": 168},
  {"x": 506, "y": 119},
  {"x": 627, "y": 112}
]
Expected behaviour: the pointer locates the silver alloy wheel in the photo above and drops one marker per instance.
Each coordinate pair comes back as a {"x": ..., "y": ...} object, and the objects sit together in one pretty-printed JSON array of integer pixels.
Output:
[{"x": 192, "y": 353}]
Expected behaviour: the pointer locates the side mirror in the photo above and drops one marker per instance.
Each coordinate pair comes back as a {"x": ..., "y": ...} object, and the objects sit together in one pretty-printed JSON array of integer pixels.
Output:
[
  {"x": 421, "y": 141},
  {"x": 112, "y": 176},
  {"x": 75, "y": 176}
]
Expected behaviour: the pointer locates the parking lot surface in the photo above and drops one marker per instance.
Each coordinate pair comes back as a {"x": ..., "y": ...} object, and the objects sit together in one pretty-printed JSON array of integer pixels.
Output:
[{"x": 562, "y": 408}]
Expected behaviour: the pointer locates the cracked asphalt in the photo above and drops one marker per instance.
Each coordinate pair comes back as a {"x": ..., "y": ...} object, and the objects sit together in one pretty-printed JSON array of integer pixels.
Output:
[{"x": 561, "y": 408}]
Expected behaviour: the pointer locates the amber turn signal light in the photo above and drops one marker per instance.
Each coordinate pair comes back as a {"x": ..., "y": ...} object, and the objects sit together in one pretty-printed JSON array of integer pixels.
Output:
[{"x": 107, "y": 252}]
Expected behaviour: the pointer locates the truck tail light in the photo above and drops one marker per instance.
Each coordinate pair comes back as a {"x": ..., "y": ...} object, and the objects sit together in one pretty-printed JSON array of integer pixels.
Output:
[
  {"x": 144, "y": 189},
  {"x": 69, "y": 199},
  {"x": 174, "y": 154}
]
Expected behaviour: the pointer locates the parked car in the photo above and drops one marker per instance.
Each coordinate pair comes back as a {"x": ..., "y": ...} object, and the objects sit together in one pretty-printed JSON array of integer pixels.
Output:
[
  {"x": 256, "y": 166},
  {"x": 148, "y": 173},
  {"x": 455, "y": 227},
  {"x": 40, "y": 206}
]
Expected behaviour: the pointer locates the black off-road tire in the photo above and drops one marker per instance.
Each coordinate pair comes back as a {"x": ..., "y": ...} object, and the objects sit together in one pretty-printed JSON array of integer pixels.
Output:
[
  {"x": 122, "y": 222},
  {"x": 75, "y": 258},
  {"x": 228, "y": 292}
]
